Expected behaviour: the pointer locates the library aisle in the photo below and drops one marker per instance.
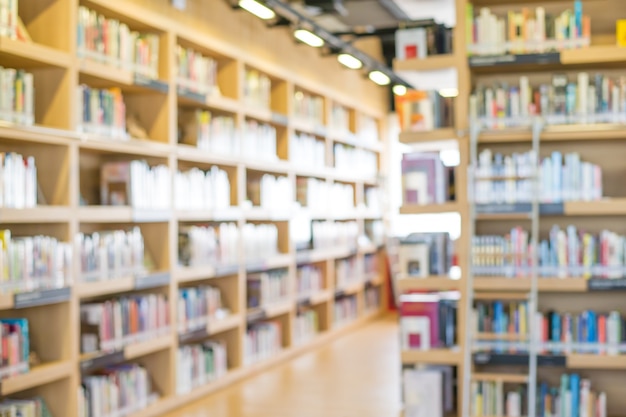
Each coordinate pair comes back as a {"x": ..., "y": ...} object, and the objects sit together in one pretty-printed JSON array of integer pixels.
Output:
[{"x": 356, "y": 375}]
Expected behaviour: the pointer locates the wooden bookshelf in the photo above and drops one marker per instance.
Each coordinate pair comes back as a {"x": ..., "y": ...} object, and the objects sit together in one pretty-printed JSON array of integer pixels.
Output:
[
  {"x": 433, "y": 356},
  {"x": 508, "y": 378},
  {"x": 430, "y": 63},
  {"x": 429, "y": 283},
  {"x": 451, "y": 207},
  {"x": 68, "y": 163},
  {"x": 428, "y": 136}
]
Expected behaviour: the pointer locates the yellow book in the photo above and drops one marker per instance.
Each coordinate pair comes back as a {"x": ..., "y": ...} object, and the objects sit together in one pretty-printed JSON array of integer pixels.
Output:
[{"x": 621, "y": 32}]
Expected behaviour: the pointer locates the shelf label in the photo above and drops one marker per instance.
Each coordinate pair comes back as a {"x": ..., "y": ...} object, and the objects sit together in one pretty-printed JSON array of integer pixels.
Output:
[
  {"x": 606, "y": 284},
  {"x": 149, "y": 216},
  {"x": 256, "y": 315},
  {"x": 256, "y": 266},
  {"x": 191, "y": 95},
  {"x": 158, "y": 279},
  {"x": 320, "y": 131},
  {"x": 226, "y": 270},
  {"x": 157, "y": 85},
  {"x": 552, "y": 208},
  {"x": 512, "y": 359},
  {"x": 102, "y": 361},
  {"x": 201, "y": 333},
  {"x": 305, "y": 302},
  {"x": 522, "y": 208},
  {"x": 340, "y": 293},
  {"x": 508, "y": 59},
  {"x": 280, "y": 119},
  {"x": 40, "y": 298},
  {"x": 304, "y": 257}
]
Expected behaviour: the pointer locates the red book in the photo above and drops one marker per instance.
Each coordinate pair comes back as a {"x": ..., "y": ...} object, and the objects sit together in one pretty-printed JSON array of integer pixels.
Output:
[
  {"x": 602, "y": 329},
  {"x": 410, "y": 51},
  {"x": 427, "y": 309}
]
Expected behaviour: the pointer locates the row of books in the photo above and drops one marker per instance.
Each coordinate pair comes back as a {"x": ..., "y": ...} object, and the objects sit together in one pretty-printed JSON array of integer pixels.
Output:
[
  {"x": 196, "y": 72},
  {"x": 136, "y": 184},
  {"x": 17, "y": 97},
  {"x": 309, "y": 280},
  {"x": 428, "y": 320},
  {"x": 565, "y": 253},
  {"x": 110, "y": 254},
  {"x": 340, "y": 120},
  {"x": 313, "y": 193},
  {"x": 335, "y": 234},
  {"x": 9, "y": 19},
  {"x": 258, "y": 141},
  {"x": 368, "y": 133},
  {"x": 262, "y": 341},
  {"x": 513, "y": 178},
  {"x": 112, "y": 324},
  {"x": 526, "y": 32},
  {"x": 373, "y": 198},
  {"x": 198, "y": 305},
  {"x": 375, "y": 232},
  {"x": 355, "y": 161},
  {"x": 257, "y": 89},
  {"x": 573, "y": 397},
  {"x": 30, "y": 407},
  {"x": 260, "y": 241},
  {"x": 422, "y": 42},
  {"x": 424, "y": 110},
  {"x": 197, "y": 189},
  {"x": 342, "y": 197},
  {"x": 271, "y": 192},
  {"x": 346, "y": 272},
  {"x": 429, "y": 390},
  {"x": 308, "y": 108},
  {"x": 18, "y": 181},
  {"x": 307, "y": 151},
  {"x": 209, "y": 132},
  {"x": 305, "y": 327},
  {"x": 426, "y": 254},
  {"x": 583, "y": 99},
  {"x": 345, "y": 310},
  {"x": 426, "y": 180},
  {"x": 14, "y": 347},
  {"x": 33, "y": 263},
  {"x": 372, "y": 299},
  {"x": 208, "y": 245},
  {"x": 102, "y": 112},
  {"x": 113, "y": 43},
  {"x": 199, "y": 364},
  {"x": 116, "y": 390},
  {"x": 266, "y": 288},
  {"x": 371, "y": 263}
]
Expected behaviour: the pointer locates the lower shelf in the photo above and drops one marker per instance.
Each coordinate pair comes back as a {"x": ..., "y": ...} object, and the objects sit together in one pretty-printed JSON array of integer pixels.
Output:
[
  {"x": 435, "y": 356},
  {"x": 38, "y": 376}
]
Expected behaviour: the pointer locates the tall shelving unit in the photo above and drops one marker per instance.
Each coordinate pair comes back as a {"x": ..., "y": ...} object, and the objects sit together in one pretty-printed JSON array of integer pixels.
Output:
[
  {"x": 598, "y": 143},
  {"x": 68, "y": 172}
]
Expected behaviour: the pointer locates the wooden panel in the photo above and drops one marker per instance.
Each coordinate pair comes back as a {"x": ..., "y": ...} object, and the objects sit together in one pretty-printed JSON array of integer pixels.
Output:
[{"x": 431, "y": 63}]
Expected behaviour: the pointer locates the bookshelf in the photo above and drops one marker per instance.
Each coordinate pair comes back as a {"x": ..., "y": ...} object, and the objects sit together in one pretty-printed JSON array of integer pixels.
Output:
[
  {"x": 69, "y": 157},
  {"x": 567, "y": 291}
]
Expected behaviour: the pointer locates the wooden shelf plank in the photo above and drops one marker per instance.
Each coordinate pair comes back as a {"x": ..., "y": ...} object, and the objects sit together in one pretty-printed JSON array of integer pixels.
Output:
[
  {"x": 593, "y": 55},
  {"x": 216, "y": 326},
  {"x": 130, "y": 146},
  {"x": 431, "y": 63},
  {"x": 350, "y": 289},
  {"x": 434, "y": 356},
  {"x": 192, "y": 154},
  {"x": 501, "y": 337},
  {"x": 113, "y": 286},
  {"x": 40, "y": 214},
  {"x": 273, "y": 262},
  {"x": 560, "y": 133},
  {"x": 189, "y": 274},
  {"x": 18, "y": 54},
  {"x": 212, "y": 102},
  {"x": 220, "y": 215},
  {"x": 137, "y": 350},
  {"x": 451, "y": 207},
  {"x": 97, "y": 72},
  {"x": 511, "y": 378},
  {"x": 565, "y": 285},
  {"x": 592, "y": 361},
  {"x": 121, "y": 214},
  {"x": 429, "y": 136},
  {"x": 430, "y": 283},
  {"x": 607, "y": 207},
  {"x": 38, "y": 376}
]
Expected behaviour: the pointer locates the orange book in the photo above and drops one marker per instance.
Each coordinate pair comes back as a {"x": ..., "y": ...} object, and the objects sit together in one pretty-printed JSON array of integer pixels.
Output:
[
  {"x": 602, "y": 329},
  {"x": 133, "y": 323},
  {"x": 587, "y": 27},
  {"x": 525, "y": 17}
]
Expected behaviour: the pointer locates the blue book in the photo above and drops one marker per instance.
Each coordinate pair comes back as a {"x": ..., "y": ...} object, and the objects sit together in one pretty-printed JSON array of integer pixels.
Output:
[
  {"x": 497, "y": 316},
  {"x": 556, "y": 328},
  {"x": 578, "y": 16},
  {"x": 543, "y": 393},
  {"x": 21, "y": 326},
  {"x": 592, "y": 334},
  {"x": 575, "y": 389},
  {"x": 563, "y": 391}
]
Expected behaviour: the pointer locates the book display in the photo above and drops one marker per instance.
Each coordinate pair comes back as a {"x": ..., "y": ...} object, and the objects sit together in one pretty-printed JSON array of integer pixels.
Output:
[
  {"x": 539, "y": 325},
  {"x": 149, "y": 191}
]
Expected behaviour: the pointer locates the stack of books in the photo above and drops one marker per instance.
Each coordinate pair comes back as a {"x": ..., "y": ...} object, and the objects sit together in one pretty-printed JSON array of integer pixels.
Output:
[
  {"x": 308, "y": 108},
  {"x": 135, "y": 184},
  {"x": 15, "y": 339},
  {"x": 263, "y": 340},
  {"x": 309, "y": 280},
  {"x": 257, "y": 89},
  {"x": 307, "y": 151},
  {"x": 102, "y": 112},
  {"x": 32, "y": 407},
  {"x": 209, "y": 132},
  {"x": 17, "y": 102},
  {"x": 260, "y": 241},
  {"x": 198, "y": 305},
  {"x": 335, "y": 235},
  {"x": 18, "y": 181},
  {"x": 202, "y": 190},
  {"x": 420, "y": 111},
  {"x": 305, "y": 326},
  {"x": 258, "y": 141},
  {"x": 423, "y": 42},
  {"x": 428, "y": 321}
]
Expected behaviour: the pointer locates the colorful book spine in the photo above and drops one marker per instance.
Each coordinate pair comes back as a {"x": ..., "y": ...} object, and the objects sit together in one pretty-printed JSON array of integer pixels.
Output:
[
  {"x": 102, "y": 112},
  {"x": 267, "y": 288},
  {"x": 199, "y": 364},
  {"x": 309, "y": 280},
  {"x": 208, "y": 245},
  {"x": 18, "y": 96},
  {"x": 305, "y": 326},
  {"x": 199, "y": 305},
  {"x": 257, "y": 89},
  {"x": 136, "y": 184},
  {"x": 117, "y": 390},
  {"x": 345, "y": 310},
  {"x": 110, "y": 254},
  {"x": 196, "y": 72},
  {"x": 420, "y": 111},
  {"x": 260, "y": 241},
  {"x": 29, "y": 407},
  {"x": 33, "y": 263},
  {"x": 9, "y": 19},
  {"x": 18, "y": 181},
  {"x": 426, "y": 179},
  {"x": 335, "y": 234},
  {"x": 196, "y": 189},
  {"x": 262, "y": 341},
  {"x": 114, "y": 43},
  {"x": 307, "y": 151},
  {"x": 258, "y": 141},
  {"x": 112, "y": 324},
  {"x": 308, "y": 108},
  {"x": 14, "y": 347}
]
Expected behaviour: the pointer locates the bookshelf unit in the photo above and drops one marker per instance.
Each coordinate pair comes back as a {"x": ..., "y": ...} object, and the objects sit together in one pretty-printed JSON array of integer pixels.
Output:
[
  {"x": 599, "y": 143},
  {"x": 69, "y": 161}
]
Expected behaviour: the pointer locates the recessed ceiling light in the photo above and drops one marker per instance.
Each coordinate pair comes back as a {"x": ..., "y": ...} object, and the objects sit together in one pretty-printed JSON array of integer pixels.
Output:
[
  {"x": 379, "y": 77},
  {"x": 259, "y": 10},
  {"x": 309, "y": 38},
  {"x": 349, "y": 61}
]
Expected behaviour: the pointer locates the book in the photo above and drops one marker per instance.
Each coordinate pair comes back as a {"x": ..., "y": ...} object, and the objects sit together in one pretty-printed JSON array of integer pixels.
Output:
[
  {"x": 197, "y": 306},
  {"x": 424, "y": 111},
  {"x": 17, "y": 101},
  {"x": 425, "y": 179},
  {"x": 335, "y": 235},
  {"x": 257, "y": 89},
  {"x": 101, "y": 112},
  {"x": 18, "y": 181},
  {"x": 309, "y": 280},
  {"x": 433, "y": 251},
  {"x": 14, "y": 347},
  {"x": 305, "y": 326},
  {"x": 135, "y": 184},
  {"x": 308, "y": 108},
  {"x": 267, "y": 288},
  {"x": 423, "y": 396},
  {"x": 345, "y": 310},
  {"x": 215, "y": 245},
  {"x": 428, "y": 321},
  {"x": 621, "y": 32},
  {"x": 197, "y": 189},
  {"x": 307, "y": 150},
  {"x": 196, "y": 72},
  {"x": 260, "y": 241},
  {"x": 346, "y": 272},
  {"x": 200, "y": 364},
  {"x": 262, "y": 341},
  {"x": 355, "y": 161}
]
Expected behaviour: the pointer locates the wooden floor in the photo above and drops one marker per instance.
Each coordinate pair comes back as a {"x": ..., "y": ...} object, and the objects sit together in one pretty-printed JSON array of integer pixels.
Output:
[{"x": 354, "y": 376}]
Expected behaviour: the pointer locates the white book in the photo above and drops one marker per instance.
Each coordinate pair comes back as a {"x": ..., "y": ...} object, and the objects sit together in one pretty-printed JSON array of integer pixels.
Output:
[
  {"x": 524, "y": 96},
  {"x": 422, "y": 393},
  {"x": 419, "y": 326},
  {"x": 583, "y": 92}
]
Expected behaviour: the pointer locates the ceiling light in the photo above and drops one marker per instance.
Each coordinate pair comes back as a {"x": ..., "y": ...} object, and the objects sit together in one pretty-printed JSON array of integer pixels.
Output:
[
  {"x": 449, "y": 92},
  {"x": 349, "y": 61},
  {"x": 259, "y": 10},
  {"x": 309, "y": 38},
  {"x": 379, "y": 77},
  {"x": 399, "y": 90}
]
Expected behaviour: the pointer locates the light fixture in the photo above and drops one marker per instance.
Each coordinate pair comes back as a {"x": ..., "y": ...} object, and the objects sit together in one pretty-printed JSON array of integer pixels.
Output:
[
  {"x": 349, "y": 61},
  {"x": 309, "y": 38},
  {"x": 399, "y": 89},
  {"x": 259, "y": 10},
  {"x": 379, "y": 77},
  {"x": 449, "y": 92}
]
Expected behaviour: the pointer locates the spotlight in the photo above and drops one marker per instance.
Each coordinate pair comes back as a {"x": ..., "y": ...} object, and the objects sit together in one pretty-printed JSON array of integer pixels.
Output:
[
  {"x": 259, "y": 10},
  {"x": 349, "y": 61},
  {"x": 309, "y": 38},
  {"x": 379, "y": 77},
  {"x": 399, "y": 90}
]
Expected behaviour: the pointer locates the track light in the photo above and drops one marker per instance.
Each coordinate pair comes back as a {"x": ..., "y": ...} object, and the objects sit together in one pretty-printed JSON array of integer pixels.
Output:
[
  {"x": 349, "y": 61},
  {"x": 309, "y": 38},
  {"x": 379, "y": 77},
  {"x": 399, "y": 89},
  {"x": 449, "y": 92},
  {"x": 259, "y": 10}
]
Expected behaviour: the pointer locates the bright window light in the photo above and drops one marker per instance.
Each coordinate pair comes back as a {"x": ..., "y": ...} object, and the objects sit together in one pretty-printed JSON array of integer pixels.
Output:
[
  {"x": 309, "y": 38},
  {"x": 349, "y": 61},
  {"x": 449, "y": 92},
  {"x": 259, "y": 10},
  {"x": 379, "y": 78},
  {"x": 399, "y": 90}
]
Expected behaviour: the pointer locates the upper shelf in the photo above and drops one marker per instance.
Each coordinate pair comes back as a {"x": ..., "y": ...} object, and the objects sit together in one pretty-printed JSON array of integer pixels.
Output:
[
  {"x": 450, "y": 207},
  {"x": 447, "y": 133},
  {"x": 18, "y": 54},
  {"x": 560, "y": 133},
  {"x": 431, "y": 63}
]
